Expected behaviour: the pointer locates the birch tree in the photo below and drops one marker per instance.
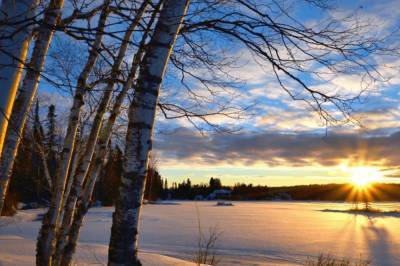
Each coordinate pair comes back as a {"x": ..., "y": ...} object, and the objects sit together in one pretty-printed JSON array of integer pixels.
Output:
[
  {"x": 27, "y": 93},
  {"x": 100, "y": 154},
  {"x": 84, "y": 164},
  {"x": 48, "y": 24},
  {"x": 124, "y": 232},
  {"x": 47, "y": 235},
  {"x": 15, "y": 35}
]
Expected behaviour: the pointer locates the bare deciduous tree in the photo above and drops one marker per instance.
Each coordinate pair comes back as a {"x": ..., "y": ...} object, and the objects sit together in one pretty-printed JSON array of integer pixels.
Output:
[
  {"x": 27, "y": 92},
  {"x": 15, "y": 36},
  {"x": 47, "y": 235},
  {"x": 82, "y": 205},
  {"x": 124, "y": 231},
  {"x": 86, "y": 159}
]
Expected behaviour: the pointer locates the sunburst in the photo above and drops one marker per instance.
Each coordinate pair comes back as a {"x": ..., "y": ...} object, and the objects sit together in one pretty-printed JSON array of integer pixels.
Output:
[{"x": 362, "y": 177}]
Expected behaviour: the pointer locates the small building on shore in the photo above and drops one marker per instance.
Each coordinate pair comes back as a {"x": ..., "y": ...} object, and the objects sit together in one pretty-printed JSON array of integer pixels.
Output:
[{"x": 219, "y": 194}]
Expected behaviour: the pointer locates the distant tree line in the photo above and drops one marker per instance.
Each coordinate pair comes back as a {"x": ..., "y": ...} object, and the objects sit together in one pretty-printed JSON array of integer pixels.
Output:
[
  {"x": 41, "y": 142},
  {"x": 337, "y": 192},
  {"x": 325, "y": 192},
  {"x": 157, "y": 188}
]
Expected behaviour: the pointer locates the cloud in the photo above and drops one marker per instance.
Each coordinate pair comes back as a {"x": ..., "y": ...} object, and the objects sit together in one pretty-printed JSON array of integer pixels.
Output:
[
  {"x": 289, "y": 118},
  {"x": 277, "y": 149}
]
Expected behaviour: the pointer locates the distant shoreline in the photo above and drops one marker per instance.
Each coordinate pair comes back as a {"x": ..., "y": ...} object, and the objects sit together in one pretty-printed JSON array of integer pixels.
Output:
[{"x": 174, "y": 201}]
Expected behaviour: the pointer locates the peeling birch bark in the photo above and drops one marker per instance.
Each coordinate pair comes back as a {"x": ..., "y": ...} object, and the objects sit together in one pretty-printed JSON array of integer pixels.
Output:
[{"x": 124, "y": 232}]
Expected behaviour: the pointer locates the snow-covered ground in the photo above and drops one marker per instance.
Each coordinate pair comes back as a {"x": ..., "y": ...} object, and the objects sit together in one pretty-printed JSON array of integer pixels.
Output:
[{"x": 251, "y": 233}]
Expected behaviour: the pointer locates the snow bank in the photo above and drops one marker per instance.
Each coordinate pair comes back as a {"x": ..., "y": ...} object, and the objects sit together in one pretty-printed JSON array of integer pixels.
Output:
[
  {"x": 18, "y": 238},
  {"x": 15, "y": 250}
]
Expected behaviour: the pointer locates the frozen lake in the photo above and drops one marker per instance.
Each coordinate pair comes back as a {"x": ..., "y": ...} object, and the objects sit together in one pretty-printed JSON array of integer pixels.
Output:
[
  {"x": 251, "y": 233},
  {"x": 290, "y": 231}
]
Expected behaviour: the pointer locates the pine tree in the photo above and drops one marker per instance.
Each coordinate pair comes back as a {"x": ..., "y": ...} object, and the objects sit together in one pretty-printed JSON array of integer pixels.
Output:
[
  {"x": 51, "y": 142},
  {"x": 215, "y": 183},
  {"x": 154, "y": 185},
  {"x": 38, "y": 132},
  {"x": 36, "y": 159},
  {"x": 109, "y": 179},
  {"x": 21, "y": 187}
]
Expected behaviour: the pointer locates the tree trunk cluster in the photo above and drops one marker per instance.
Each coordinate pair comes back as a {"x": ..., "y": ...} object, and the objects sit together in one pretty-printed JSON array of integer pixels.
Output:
[{"x": 78, "y": 168}]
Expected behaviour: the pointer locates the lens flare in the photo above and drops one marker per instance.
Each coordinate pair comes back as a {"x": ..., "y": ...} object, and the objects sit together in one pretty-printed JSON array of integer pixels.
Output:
[{"x": 363, "y": 176}]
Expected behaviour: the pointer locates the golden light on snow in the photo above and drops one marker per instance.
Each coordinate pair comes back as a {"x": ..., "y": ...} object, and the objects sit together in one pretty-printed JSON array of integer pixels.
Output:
[{"x": 363, "y": 176}]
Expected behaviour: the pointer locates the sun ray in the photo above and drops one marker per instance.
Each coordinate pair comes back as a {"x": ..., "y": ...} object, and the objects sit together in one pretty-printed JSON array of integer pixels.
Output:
[
  {"x": 362, "y": 177},
  {"x": 362, "y": 184}
]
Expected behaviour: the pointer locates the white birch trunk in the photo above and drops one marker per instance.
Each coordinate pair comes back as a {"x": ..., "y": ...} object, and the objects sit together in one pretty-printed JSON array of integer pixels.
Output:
[
  {"x": 84, "y": 164},
  {"x": 100, "y": 153},
  {"x": 82, "y": 204},
  {"x": 124, "y": 232},
  {"x": 15, "y": 35},
  {"x": 47, "y": 235},
  {"x": 81, "y": 209},
  {"x": 26, "y": 95}
]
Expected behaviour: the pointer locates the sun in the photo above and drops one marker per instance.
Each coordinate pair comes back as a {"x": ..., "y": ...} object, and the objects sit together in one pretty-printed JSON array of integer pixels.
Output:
[{"x": 361, "y": 177}]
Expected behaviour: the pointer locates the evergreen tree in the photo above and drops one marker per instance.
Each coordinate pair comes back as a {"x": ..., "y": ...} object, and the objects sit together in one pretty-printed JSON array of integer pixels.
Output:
[
  {"x": 215, "y": 183},
  {"x": 42, "y": 186},
  {"x": 107, "y": 187},
  {"x": 22, "y": 188},
  {"x": 154, "y": 185},
  {"x": 51, "y": 142},
  {"x": 51, "y": 127},
  {"x": 28, "y": 183},
  {"x": 165, "y": 189},
  {"x": 38, "y": 132}
]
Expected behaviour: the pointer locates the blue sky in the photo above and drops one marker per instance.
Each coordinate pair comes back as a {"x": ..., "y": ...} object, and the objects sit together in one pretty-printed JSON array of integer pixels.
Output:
[
  {"x": 278, "y": 141},
  {"x": 265, "y": 158}
]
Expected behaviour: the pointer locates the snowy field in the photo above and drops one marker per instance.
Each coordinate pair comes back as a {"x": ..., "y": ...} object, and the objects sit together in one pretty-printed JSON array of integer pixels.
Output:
[{"x": 251, "y": 233}]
